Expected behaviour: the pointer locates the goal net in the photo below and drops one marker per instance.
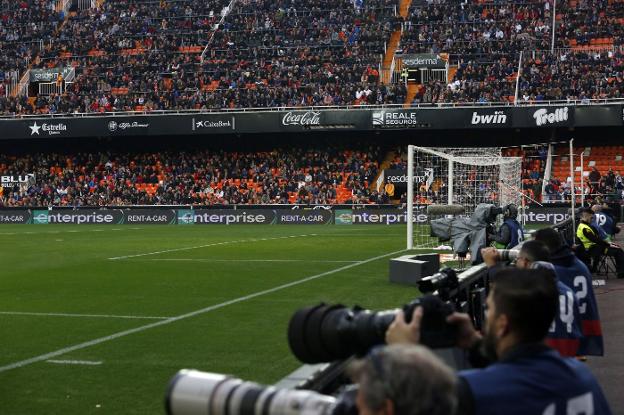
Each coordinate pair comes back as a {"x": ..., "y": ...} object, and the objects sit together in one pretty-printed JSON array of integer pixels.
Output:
[{"x": 456, "y": 176}]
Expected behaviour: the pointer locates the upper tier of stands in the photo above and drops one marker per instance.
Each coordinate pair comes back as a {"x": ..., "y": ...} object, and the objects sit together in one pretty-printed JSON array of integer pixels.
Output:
[{"x": 189, "y": 54}]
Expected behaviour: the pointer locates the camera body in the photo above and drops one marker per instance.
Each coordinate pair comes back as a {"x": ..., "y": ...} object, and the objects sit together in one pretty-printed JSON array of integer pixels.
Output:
[{"x": 325, "y": 333}]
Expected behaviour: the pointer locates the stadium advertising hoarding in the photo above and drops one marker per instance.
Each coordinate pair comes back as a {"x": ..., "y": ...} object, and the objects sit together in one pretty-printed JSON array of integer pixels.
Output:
[
  {"x": 14, "y": 217},
  {"x": 544, "y": 117},
  {"x": 255, "y": 215},
  {"x": 446, "y": 118},
  {"x": 49, "y": 74},
  {"x": 434, "y": 118},
  {"x": 304, "y": 217},
  {"x": 234, "y": 217},
  {"x": 423, "y": 61},
  {"x": 399, "y": 177},
  {"x": 150, "y": 217}
]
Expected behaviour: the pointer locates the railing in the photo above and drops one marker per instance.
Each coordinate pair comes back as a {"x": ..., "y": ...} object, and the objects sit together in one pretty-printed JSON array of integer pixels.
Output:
[
  {"x": 13, "y": 81},
  {"x": 224, "y": 12},
  {"x": 22, "y": 88},
  {"x": 62, "y": 5},
  {"x": 50, "y": 88},
  {"x": 588, "y": 102},
  {"x": 86, "y": 4}
]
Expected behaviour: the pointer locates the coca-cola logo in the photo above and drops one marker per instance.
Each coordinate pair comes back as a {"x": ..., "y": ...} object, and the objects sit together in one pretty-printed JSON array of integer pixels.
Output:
[{"x": 302, "y": 118}]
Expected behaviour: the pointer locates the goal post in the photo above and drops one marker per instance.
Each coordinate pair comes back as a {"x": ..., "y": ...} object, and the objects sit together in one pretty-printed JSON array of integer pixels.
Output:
[{"x": 456, "y": 176}]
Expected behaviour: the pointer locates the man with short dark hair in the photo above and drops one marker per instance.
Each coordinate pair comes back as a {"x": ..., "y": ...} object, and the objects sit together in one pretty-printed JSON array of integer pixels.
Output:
[
  {"x": 572, "y": 272},
  {"x": 404, "y": 380},
  {"x": 564, "y": 334},
  {"x": 527, "y": 377}
]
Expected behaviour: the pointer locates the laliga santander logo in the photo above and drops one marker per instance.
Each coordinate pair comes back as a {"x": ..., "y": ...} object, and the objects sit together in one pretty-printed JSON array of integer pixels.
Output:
[
  {"x": 305, "y": 118},
  {"x": 542, "y": 116}
]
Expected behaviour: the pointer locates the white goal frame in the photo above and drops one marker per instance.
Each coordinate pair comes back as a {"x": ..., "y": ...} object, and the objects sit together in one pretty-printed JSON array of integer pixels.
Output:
[{"x": 477, "y": 157}]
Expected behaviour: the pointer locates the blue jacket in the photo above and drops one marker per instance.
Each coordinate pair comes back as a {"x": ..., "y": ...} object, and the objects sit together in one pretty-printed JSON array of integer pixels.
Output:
[
  {"x": 531, "y": 379},
  {"x": 575, "y": 274}
]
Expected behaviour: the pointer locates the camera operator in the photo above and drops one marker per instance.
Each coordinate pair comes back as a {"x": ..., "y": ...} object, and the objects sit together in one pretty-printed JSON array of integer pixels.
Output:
[
  {"x": 510, "y": 233},
  {"x": 595, "y": 246},
  {"x": 526, "y": 376},
  {"x": 404, "y": 380},
  {"x": 564, "y": 334},
  {"x": 573, "y": 272}
]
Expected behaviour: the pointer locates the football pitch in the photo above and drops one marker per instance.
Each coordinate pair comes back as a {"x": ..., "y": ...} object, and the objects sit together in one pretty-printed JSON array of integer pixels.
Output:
[{"x": 97, "y": 319}]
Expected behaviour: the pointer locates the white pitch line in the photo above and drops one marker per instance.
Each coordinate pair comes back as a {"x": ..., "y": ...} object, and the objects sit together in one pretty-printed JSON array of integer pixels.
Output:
[
  {"x": 208, "y": 245},
  {"x": 75, "y": 362},
  {"x": 140, "y": 329},
  {"x": 251, "y": 260},
  {"x": 26, "y": 313}
]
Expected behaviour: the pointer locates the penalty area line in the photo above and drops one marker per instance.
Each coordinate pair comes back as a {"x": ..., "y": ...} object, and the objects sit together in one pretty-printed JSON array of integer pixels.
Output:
[
  {"x": 27, "y": 313},
  {"x": 188, "y": 248},
  {"x": 201, "y": 311},
  {"x": 75, "y": 362}
]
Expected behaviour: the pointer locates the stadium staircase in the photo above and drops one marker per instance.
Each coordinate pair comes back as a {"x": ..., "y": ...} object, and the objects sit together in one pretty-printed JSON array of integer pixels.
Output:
[
  {"x": 412, "y": 90},
  {"x": 393, "y": 43},
  {"x": 391, "y": 47},
  {"x": 385, "y": 164}
]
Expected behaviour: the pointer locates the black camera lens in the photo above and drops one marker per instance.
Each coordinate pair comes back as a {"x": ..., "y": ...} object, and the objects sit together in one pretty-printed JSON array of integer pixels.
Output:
[{"x": 325, "y": 333}]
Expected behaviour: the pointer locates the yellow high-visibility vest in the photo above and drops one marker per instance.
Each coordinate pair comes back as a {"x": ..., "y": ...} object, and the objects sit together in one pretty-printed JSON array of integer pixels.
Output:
[{"x": 587, "y": 244}]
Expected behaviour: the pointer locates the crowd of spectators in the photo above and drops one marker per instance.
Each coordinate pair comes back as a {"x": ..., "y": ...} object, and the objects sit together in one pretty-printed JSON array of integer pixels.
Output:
[
  {"x": 484, "y": 41},
  {"x": 307, "y": 176},
  {"x": 147, "y": 56}
]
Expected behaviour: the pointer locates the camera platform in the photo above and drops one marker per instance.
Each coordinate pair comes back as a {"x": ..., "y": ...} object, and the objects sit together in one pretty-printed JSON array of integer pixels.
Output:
[{"x": 409, "y": 269}]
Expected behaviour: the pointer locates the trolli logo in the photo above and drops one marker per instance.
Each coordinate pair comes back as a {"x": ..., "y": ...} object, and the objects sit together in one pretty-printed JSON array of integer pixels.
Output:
[
  {"x": 51, "y": 129},
  {"x": 200, "y": 124},
  {"x": 543, "y": 117},
  {"x": 113, "y": 125},
  {"x": 498, "y": 117},
  {"x": 302, "y": 118}
]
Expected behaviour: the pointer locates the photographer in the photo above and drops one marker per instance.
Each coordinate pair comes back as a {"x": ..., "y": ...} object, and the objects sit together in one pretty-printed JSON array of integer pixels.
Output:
[
  {"x": 604, "y": 222},
  {"x": 573, "y": 272},
  {"x": 404, "y": 380},
  {"x": 595, "y": 246},
  {"x": 526, "y": 377},
  {"x": 564, "y": 334},
  {"x": 510, "y": 232}
]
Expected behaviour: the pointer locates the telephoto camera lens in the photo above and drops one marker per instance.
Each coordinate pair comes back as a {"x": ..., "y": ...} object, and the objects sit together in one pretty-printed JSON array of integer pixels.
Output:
[
  {"x": 508, "y": 254},
  {"x": 325, "y": 333},
  {"x": 192, "y": 392}
]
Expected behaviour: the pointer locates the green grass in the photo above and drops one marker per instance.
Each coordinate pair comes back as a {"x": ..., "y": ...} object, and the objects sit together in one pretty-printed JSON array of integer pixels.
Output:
[{"x": 65, "y": 269}]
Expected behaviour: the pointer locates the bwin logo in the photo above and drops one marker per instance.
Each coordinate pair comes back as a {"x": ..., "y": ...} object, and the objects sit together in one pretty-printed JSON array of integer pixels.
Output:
[
  {"x": 378, "y": 118},
  {"x": 498, "y": 117}
]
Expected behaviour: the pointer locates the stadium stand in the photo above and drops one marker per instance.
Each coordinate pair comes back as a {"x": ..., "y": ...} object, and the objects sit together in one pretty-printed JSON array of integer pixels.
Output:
[
  {"x": 601, "y": 173},
  {"x": 186, "y": 54},
  {"x": 306, "y": 176}
]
